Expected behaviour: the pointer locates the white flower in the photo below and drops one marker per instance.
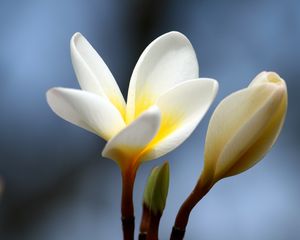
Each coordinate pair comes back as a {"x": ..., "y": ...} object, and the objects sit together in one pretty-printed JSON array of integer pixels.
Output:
[
  {"x": 244, "y": 127},
  {"x": 166, "y": 99}
]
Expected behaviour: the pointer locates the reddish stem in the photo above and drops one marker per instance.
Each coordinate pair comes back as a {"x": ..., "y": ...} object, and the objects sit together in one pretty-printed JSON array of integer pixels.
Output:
[
  {"x": 127, "y": 208},
  {"x": 144, "y": 223},
  {"x": 153, "y": 226},
  {"x": 183, "y": 214}
]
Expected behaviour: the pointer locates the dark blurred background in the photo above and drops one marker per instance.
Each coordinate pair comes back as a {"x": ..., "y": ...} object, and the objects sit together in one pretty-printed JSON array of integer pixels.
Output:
[{"x": 57, "y": 186}]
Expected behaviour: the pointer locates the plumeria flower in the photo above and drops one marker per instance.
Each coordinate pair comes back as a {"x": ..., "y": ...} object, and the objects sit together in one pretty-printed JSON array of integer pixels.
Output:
[
  {"x": 244, "y": 126},
  {"x": 166, "y": 99},
  {"x": 242, "y": 129},
  {"x": 165, "y": 102}
]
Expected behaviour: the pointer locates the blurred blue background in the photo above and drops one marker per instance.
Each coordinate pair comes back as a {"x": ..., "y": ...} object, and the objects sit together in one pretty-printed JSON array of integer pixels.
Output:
[{"x": 57, "y": 186}]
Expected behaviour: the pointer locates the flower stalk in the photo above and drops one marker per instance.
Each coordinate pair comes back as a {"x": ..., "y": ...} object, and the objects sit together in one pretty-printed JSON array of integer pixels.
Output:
[
  {"x": 201, "y": 189},
  {"x": 144, "y": 222},
  {"x": 127, "y": 208},
  {"x": 149, "y": 224},
  {"x": 153, "y": 226}
]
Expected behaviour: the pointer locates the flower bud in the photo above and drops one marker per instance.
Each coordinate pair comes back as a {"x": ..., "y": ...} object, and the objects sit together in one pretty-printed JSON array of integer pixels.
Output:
[
  {"x": 244, "y": 127},
  {"x": 156, "y": 190}
]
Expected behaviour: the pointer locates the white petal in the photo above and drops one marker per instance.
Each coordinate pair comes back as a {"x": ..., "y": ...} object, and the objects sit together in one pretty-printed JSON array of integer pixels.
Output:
[
  {"x": 236, "y": 123},
  {"x": 92, "y": 73},
  {"x": 168, "y": 60},
  {"x": 263, "y": 144},
  {"x": 126, "y": 146},
  {"x": 271, "y": 129},
  {"x": 182, "y": 108},
  {"x": 86, "y": 110}
]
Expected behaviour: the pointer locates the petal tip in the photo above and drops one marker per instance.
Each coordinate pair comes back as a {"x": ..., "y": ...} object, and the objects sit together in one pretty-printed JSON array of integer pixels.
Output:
[
  {"x": 212, "y": 83},
  {"x": 215, "y": 85},
  {"x": 75, "y": 36},
  {"x": 268, "y": 77},
  {"x": 154, "y": 110},
  {"x": 76, "y": 39},
  {"x": 174, "y": 34},
  {"x": 51, "y": 92},
  {"x": 48, "y": 95}
]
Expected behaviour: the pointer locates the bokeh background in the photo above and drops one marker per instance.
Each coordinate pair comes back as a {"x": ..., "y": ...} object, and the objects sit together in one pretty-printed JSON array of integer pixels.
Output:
[{"x": 57, "y": 186}]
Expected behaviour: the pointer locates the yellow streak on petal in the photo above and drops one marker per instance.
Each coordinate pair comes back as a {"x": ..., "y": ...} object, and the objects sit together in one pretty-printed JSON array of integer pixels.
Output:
[
  {"x": 169, "y": 123},
  {"x": 143, "y": 103},
  {"x": 115, "y": 101}
]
